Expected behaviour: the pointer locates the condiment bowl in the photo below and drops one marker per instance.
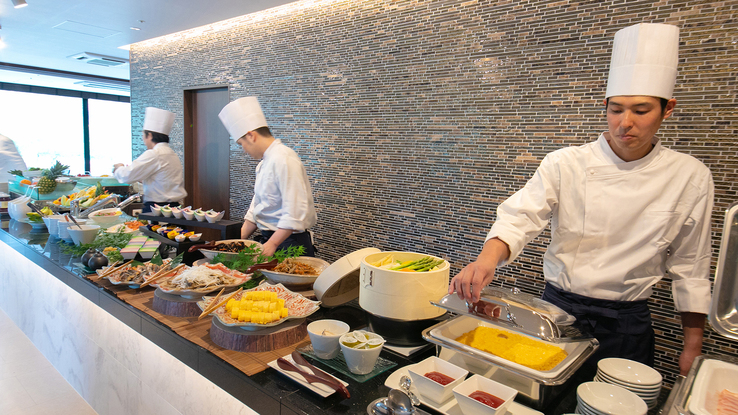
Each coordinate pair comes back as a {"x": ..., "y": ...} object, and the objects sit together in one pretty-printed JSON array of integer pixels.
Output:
[
  {"x": 177, "y": 212},
  {"x": 324, "y": 335},
  {"x": 429, "y": 388},
  {"x": 361, "y": 361},
  {"x": 156, "y": 210},
  {"x": 84, "y": 234},
  {"x": 471, "y": 406},
  {"x": 63, "y": 228}
]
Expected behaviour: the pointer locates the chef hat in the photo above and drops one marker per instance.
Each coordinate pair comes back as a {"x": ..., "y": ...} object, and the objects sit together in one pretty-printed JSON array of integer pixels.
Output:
[
  {"x": 644, "y": 61},
  {"x": 158, "y": 121},
  {"x": 241, "y": 116}
]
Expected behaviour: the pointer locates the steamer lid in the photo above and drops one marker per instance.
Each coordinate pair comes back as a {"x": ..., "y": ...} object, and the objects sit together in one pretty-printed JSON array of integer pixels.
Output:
[
  {"x": 517, "y": 311},
  {"x": 339, "y": 283}
]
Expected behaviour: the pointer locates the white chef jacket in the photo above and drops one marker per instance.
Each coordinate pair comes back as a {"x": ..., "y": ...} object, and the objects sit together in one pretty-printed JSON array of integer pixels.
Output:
[
  {"x": 10, "y": 159},
  {"x": 282, "y": 195},
  {"x": 160, "y": 171},
  {"x": 612, "y": 222}
]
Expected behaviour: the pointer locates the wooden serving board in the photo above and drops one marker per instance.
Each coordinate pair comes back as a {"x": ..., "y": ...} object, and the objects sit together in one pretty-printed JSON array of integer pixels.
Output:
[
  {"x": 174, "y": 305},
  {"x": 198, "y": 331},
  {"x": 263, "y": 340}
]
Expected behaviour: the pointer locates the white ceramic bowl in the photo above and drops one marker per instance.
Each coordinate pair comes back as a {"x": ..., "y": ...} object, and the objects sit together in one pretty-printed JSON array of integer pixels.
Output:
[
  {"x": 167, "y": 213},
  {"x": 214, "y": 218},
  {"x": 430, "y": 389},
  {"x": 324, "y": 335},
  {"x": 63, "y": 228},
  {"x": 610, "y": 399},
  {"x": 294, "y": 279},
  {"x": 107, "y": 217},
  {"x": 361, "y": 361},
  {"x": 470, "y": 406},
  {"x": 51, "y": 224},
  {"x": 188, "y": 214},
  {"x": 156, "y": 211},
  {"x": 177, "y": 212},
  {"x": 629, "y": 371},
  {"x": 200, "y": 217},
  {"x": 85, "y": 235}
]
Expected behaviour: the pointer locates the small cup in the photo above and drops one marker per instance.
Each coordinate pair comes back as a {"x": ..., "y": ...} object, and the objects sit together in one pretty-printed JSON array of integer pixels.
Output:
[
  {"x": 430, "y": 389},
  {"x": 470, "y": 406},
  {"x": 84, "y": 234},
  {"x": 324, "y": 335},
  {"x": 361, "y": 361}
]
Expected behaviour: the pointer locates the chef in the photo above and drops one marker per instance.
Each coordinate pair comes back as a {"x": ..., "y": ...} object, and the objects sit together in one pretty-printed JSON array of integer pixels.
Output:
[
  {"x": 282, "y": 207},
  {"x": 158, "y": 167},
  {"x": 623, "y": 209}
]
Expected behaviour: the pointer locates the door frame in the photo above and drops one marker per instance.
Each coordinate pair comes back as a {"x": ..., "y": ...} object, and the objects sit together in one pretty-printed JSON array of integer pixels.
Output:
[{"x": 187, "y": 94}]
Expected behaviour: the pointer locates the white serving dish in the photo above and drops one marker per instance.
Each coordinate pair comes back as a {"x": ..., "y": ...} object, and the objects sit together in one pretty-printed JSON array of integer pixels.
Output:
[
  {"x": 712, "y": 377},
  {"x": 292, "y": 279},
  {"x": 384, "y": 292},
  {"x": 106, "y": 221},
  {"x": 319, "y": 388},
  {"x": 450, "y": 407},
  {"x": 609, "y": 399},
  {"x": 83, "y": 234},
  {"x": 297, "y": 305},
  {"x": 198, "y": 293},
  {"x": 470, "y": 406},
  {"x": 630, "y": 372},
  {"x": 430, "y": 389},
  {"x": 210, "y": 254}
]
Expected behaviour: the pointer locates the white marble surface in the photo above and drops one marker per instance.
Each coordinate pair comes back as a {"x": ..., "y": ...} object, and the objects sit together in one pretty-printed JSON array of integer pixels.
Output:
[{"x": 115, "y": 369}]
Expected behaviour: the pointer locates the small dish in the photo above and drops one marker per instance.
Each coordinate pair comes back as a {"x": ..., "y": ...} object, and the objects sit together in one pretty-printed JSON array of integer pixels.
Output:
[
  {"x": 156, "y": 210},
  {"x": 362, "y": 356},
  {"x": 430, "y": 389},
  {"x": 177, "y": 212},
  {"x": 213, "y": 216},
  {"x": 324, "y": 335},
  {"x": 196, "y": 237},
  {"x": 319, "y": 388},
  {"x": 166, "y": 211},
  {"x": 477, "y": 383},
  {"x": 199, "y": 215}
]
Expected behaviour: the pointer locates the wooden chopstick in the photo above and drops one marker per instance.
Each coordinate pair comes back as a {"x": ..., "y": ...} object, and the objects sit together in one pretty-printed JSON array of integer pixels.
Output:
[
  {"x": 162, "y": 275},
  {"x": 209, "y": 310},
  {"x": 164, "y": 268},
  {"x": 112, "y": 269}
]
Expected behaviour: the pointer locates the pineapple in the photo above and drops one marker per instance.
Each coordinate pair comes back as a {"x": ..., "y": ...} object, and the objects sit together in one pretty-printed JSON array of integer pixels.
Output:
[{"x": 47, "y": 183}]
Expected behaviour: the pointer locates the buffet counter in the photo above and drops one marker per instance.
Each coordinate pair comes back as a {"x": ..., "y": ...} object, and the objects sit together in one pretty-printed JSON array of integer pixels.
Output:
[{"x": 124, "y": 360}]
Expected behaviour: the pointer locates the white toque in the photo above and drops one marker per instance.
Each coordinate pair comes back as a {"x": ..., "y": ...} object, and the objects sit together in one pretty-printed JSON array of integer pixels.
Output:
[
  {"x": 644, "y": 61},
  {"x": 241, "y": 116},
  {"x": 158, "y": 121}
]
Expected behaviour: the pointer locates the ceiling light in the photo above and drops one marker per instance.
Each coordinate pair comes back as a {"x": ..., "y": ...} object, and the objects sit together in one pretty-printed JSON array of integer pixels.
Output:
[
  {"x": 19, "y": 3},
  {"x": 135, "y": 28}
]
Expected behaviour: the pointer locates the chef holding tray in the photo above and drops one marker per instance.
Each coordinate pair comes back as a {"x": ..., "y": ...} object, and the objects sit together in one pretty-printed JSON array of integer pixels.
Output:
[
  {"x": 158, "y": 167},
  {"x": 282, "y": 206},
  {"x": 623, "y": 210}
]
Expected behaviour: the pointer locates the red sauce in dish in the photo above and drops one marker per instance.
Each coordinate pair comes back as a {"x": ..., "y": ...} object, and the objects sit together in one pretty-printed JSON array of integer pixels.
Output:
[
  {"x": 486, "y": 398},
  {"x": 439, "y": 377}
]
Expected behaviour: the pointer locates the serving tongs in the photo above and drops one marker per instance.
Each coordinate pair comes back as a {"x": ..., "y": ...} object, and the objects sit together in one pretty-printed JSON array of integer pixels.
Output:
[{"x": 518, "y": 312}]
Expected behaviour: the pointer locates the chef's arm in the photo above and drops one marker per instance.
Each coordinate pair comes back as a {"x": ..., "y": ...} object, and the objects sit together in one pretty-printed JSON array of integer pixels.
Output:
[
  {"x": 693, "y": 325},
  {"x": 279, "y": 236},
  {"x": 469, "y": 282},
  {"x": 247, "y": 229}
]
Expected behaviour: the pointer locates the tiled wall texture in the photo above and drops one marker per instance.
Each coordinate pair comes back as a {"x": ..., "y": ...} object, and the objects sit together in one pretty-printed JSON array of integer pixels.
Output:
[{"x": 415, "y": 119}]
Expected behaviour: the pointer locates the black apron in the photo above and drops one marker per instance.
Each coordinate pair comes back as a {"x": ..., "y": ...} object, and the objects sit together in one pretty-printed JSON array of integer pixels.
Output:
[
  {"x": 623, "y": 328},
  {"x": 296, "y": 239}
]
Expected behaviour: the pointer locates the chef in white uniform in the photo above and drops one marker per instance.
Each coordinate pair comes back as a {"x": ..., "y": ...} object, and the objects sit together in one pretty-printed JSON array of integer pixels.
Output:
[
  {"x": 282, "y": 207},
  {"x": 158, "y": 168},
  {"x": 623, "y": 211},
  {"x": 10, "y": 159}
]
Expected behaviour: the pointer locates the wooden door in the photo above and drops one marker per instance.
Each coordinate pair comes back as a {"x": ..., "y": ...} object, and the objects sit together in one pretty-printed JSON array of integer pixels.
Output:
[{"x": 207, "y": 152}]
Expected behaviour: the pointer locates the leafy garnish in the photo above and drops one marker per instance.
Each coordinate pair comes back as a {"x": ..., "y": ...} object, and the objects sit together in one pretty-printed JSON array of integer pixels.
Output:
[
  {"x": 16, "y": 172},
  {"x": 253, "y": 282},
  {"x": 102, "y": 241},
  {"x": 251, "y": 255}
]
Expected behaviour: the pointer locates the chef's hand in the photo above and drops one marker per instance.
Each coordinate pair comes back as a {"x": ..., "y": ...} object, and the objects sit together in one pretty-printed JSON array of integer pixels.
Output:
[
  {"x": 116, "y": 166},
  {"x": 268, "y": 249},
  {"x": 279, "y": 236},
  {"x": 693, "y": 325},
  {"x": 469, "y": 282}
]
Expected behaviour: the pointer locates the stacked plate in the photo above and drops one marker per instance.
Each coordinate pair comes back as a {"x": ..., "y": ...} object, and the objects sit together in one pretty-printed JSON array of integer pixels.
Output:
[
  {"x": 633, "y": 376},
  {"x": 597, "y": 398}
]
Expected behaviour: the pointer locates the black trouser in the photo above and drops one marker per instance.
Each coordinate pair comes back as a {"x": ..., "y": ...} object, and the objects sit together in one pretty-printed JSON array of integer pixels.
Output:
[
  {"x": 296, "y": 239},
  {"x": 623, "y": 328}
]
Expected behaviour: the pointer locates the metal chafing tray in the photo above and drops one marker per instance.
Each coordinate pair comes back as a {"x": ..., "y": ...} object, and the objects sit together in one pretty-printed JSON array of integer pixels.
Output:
[
  {"x": 724, "y": 309},
  {"x": 696, "y": 394},
  {"x": 522, "y": 314}
]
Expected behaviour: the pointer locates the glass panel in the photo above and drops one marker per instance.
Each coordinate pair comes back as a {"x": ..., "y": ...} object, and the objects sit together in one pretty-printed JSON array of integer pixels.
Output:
[
  {"x": 45, "y": 128},
  {"x": 110, "y": 135}
]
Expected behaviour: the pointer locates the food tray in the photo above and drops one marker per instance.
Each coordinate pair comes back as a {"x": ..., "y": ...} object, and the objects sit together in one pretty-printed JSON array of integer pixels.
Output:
[
  {"x": 723, "y": 315},
  {"x": 297, "y": 304},
  {"x": 445, "y": 334}
]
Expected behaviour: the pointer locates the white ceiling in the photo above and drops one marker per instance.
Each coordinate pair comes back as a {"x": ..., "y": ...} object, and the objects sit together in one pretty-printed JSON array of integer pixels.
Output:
[{"x": 46, "y": 32}]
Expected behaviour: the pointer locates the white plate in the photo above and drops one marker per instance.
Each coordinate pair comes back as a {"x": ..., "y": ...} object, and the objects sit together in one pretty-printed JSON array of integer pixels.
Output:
[
  {"x": 297, "y": 304},
  {"x": 633, "y": 388},
  {"x": 292, "y": 279},
  {"x": 610, "y": 399},
  {"x": 319, "y": 388},
  {"x": 116, "y": 228},
  {"x": 198, "y": 293},
  {"x": 712, "y": 377},
  {"x": 450, "y": 407},
  {"x": 630, "y": 372}
]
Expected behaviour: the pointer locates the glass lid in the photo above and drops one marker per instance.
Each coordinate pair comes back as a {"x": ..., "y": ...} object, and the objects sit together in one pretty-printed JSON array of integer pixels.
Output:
[{"x": 517, "y": 311}]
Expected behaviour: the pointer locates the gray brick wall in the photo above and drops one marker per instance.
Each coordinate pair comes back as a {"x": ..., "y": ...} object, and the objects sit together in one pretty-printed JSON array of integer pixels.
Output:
[{"x": 415, "y": 119}]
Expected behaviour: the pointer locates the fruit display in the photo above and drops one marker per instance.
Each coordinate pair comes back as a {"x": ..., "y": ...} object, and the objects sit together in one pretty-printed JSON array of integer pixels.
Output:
[
  {"x": 47, "y": 183},
  {"x": 87, "y": 197}
]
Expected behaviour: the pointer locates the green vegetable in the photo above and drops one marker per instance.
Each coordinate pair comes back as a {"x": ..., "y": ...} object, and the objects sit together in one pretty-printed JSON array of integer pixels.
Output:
[
  {"x": 16, "y": 172},
  {"x": 98, "y": 190},
  {"x": 419, "y": 265},
  {"x": 114, "y": 256},
  {"x": 102, "y": 241},
  {"x": 251, "y": 255}
]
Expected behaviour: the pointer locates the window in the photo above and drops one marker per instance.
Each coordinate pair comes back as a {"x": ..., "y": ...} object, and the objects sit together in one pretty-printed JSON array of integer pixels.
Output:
[
  {"x": 110, "y": 135},
  {"x": 45, "y": 128}
]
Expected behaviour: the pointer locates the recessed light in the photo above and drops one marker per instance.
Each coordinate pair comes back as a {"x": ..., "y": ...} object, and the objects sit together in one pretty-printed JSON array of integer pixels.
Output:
[{"x": 135, "y": 28}]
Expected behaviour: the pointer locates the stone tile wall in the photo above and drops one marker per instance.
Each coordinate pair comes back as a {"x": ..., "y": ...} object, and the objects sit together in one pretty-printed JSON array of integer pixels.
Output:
[{"x": 415, "y": 119}]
